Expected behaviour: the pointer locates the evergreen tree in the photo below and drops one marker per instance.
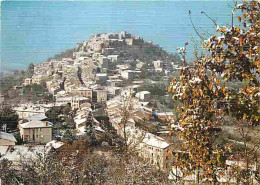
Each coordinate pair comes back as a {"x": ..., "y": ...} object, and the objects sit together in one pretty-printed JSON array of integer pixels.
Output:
[
  {"x": 90, "y": 130},
  {"x": 31, "y": 68},
  {"x": 9, "y": 118},
  {"x": 69, "y": 136}
]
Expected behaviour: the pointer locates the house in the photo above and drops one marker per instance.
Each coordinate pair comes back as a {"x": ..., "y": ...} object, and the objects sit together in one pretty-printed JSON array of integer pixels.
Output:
[
  {"x": 85, "y": 105},
  {"x": 154, "y": 149},
  {"x": 129, "y": 41},
  {"x": 36, "y": 131},
  {"x": 144, "y": 113},
  {"x": 151, "y": 148},
  {"x": 107, "y": 51},
  {"x": 138, "y": 112},
  {"x": 164, "y": 116},
  {"x": 157, "y": 64},
  {"x": 7, "y": 139},
  {"x": 27, "y": 81},
  {"x": 63, "y": 100},
  {"x": 29, "y": 110},
  {"x": 76, "y": 102},
  {"x": 100, "y": 95},
  {"x": 115, "y": 82},
  {"x": 121, "y": 68},
  {"x": 82, "y": 92},
  {"x": 101, "y": 78},
  {"x": 143, "y": 95},
  {"x": 139, "y": 65},
  {"x": 159, "y": 70},
  {"x": 113, "y": 58},
  {"x": 128, "y": 74},
  {"x": 36, "y": 117},
  {"x": 124, "y": 35},
  {"x": 81, "y": 120},
  {"x": 36, "y": 79},
  {"x": 114, "y": 90},
  {"x": 103, "y": 61}
]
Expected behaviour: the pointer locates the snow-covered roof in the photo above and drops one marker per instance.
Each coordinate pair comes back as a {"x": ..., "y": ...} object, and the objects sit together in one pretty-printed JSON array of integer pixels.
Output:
[
  {"x": 55, "y": 144},
  {"x": 155, "y": 141},
  {"x": 142, "y": 93},
  {"x": 3, "y": 150},
  {"x": 82, "y": 89},
  {"x": 131, "y": 120},
  {"x": 148, "y": 138},
  {"x": 36, "y": 124},
  {"x": 7, "y": 136},
  {"x": 80, "y": 98},
  {"x": 64, "y": 98},
  {"x": 98, "y": 128},
  {"x": 80, "y": 121},
  {"x": 31, "y": 108},
  {"x": 101, "y": 74},
  {"x": 36, "y": 117},
  {"x": 82, "y": 130},
  {"x": 165, "y": 114}
]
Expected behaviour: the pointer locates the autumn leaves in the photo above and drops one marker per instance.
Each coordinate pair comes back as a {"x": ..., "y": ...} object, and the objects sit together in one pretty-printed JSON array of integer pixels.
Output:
[{"x": 230, "y": 55}]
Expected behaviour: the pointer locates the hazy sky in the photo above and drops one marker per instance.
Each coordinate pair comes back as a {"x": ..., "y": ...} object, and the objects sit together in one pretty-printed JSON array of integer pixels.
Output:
[{"x": 33, "y": 31}]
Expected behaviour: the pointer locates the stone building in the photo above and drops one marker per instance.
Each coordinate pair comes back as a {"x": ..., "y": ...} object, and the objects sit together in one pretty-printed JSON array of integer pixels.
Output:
[
  {"x": 100, "y": 95},
  {"x": 36, "y": 79},
  {"x": 76, "y": 102},
  {"x": 83, "y": 92},
  {"x": 27, "y": 81},
  {"x": 36, "y": 131}
]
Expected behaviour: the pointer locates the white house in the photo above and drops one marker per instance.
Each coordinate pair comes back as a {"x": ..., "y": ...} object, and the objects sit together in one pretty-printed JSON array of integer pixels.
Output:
[
  {"x": 143, "y": 95},
  {"x": 128, "y": 74}
]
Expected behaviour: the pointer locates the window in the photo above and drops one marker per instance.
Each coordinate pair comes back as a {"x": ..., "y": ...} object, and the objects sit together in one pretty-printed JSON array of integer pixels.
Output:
[{"x": 26, "y": 137}]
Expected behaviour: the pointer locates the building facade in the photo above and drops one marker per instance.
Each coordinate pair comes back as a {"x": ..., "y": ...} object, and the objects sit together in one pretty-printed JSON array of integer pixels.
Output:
[
  {"x": 77, "y": 101},
  {"x": 36, "y": 131}
]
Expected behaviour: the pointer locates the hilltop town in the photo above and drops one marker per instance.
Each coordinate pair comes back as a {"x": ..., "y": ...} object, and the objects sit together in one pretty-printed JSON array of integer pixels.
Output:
[
  {"x": 106, "y": 100},
  {"x": 118, "y": 109},
  {"x": 116, "y": 79}
]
